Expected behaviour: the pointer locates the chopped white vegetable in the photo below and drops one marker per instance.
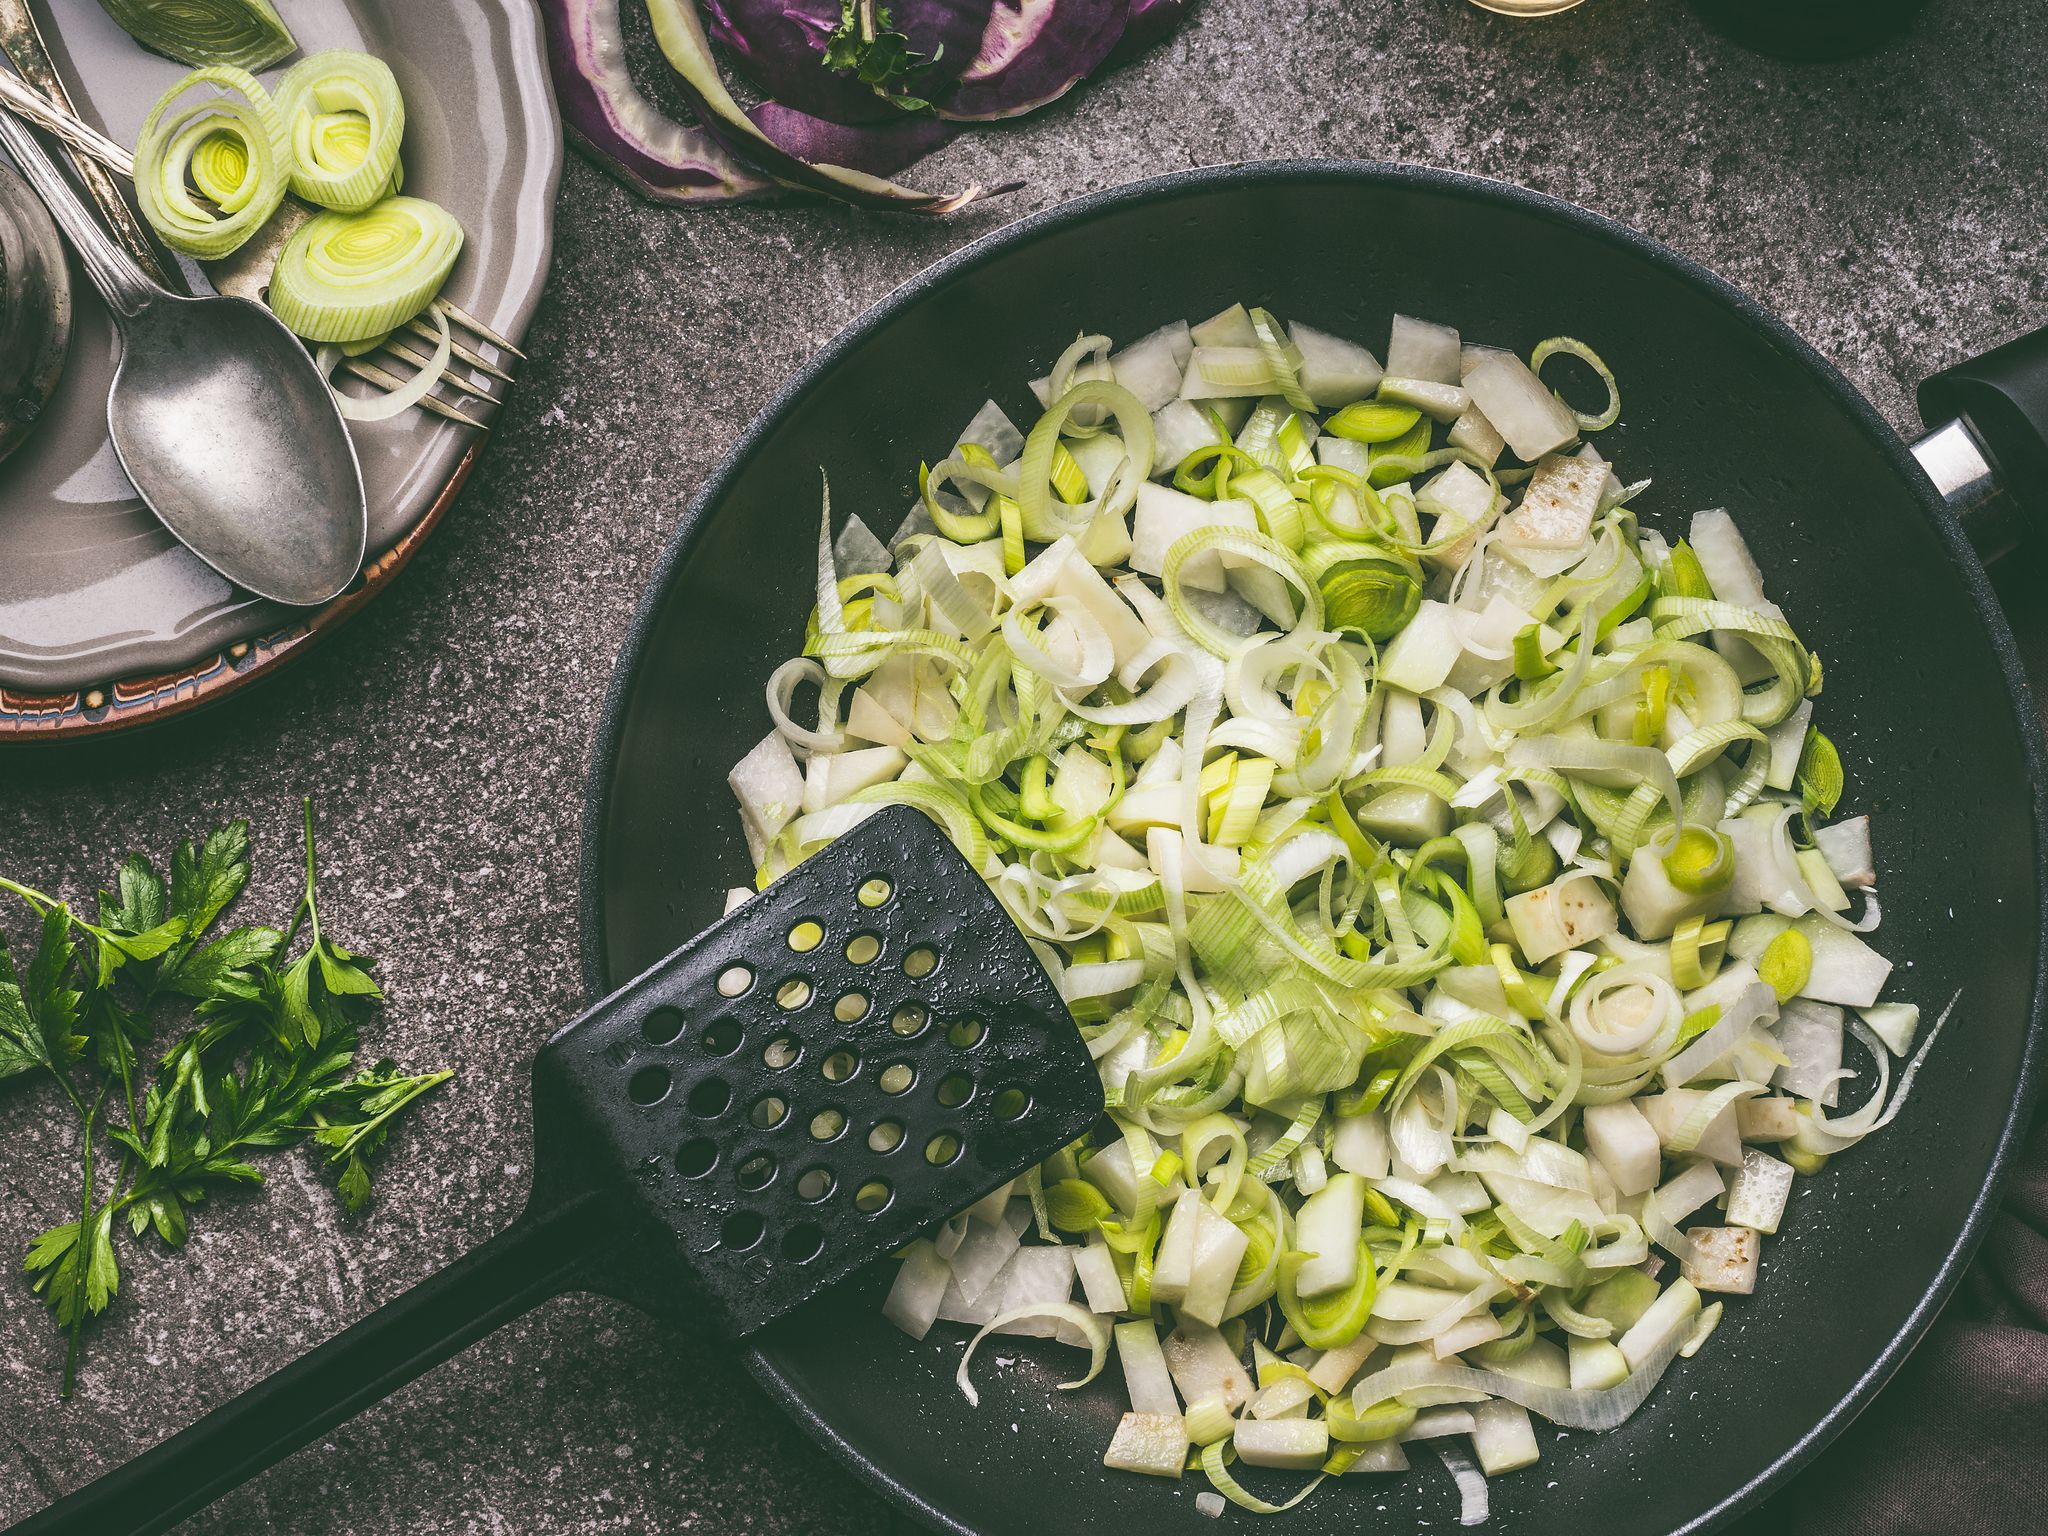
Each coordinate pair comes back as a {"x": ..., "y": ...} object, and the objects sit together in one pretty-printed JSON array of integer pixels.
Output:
[
  {"x": 1625, "y": 1143},
  {"x": 1334, "y": 372},
  {"x": 1327, "y": 1228},
  {"x": 770, "y": 790},
  {"x": 1596, "y": 1364},
  {"x": 1559, "y": 505},
  {"x": 919, "y": 1287},
  {"x": 1758, "y": 1192},
  {"x": 1147, "y": 1381},
  {"x": 1670, "y": 1314},
  {"x": 1569, "y": 913},
  {"x": 1723, "y": 1259},
  {"x": 1152, "y": 1443},
  {"x": 1670, "y": 1114},
  {"x": 1299, "y": 1444},
  {"x": 1421, "y": 349},
  {"x": 1726, "y": 560},
  {"x": 1810, "y": 1036},
  {"x": 1503, "y": 1438},
  {"x": 1846, "y": 847},
  {"x": 1151, "y": 366},
  {"x": 1422, "y": 655},
  {"x": 1166, "y": 516},
  {"x": 1204, "y": 1365},
  {"x": 1515, "y": 404},
  {"x": 1893, "y": 1023},
  {"x": 1768, "y": 1119}
]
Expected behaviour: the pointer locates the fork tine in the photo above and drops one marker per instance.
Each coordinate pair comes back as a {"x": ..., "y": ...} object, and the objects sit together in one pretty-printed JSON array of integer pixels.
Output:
[
  {"x": 452, "y": 379},
  {"x": 389, "y": 380},
  {"x": 420, "y": 328},
  {"x": 464, "y": 318}
]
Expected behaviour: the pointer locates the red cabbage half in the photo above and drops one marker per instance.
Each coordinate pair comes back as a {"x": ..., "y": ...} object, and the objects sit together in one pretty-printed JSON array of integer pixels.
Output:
[
  {"x": 780, "y": 46},
  {"x": 680, "y": 33},
  {"x": 624, "y": 131},
  {"x": 1033, "y": 52}
]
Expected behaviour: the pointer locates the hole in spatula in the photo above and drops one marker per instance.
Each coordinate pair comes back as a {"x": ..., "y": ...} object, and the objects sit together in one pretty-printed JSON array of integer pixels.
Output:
[
  {"x": 815, "y": 1184},
  {"x": 742, "y": 1229},
  {"x": 862, "y": 948},
  {"x": 722, "y": 1038},
  {"x": 756, "y": 1173},
  {"x": 803, "y": 1243},
  {"x": 873, "y": 1197},
  {"x": 965, "y": 1034},
  {"x": 697, "y": 1157},
  {"x": 650, "y": 1085},
  {"x": 710, "y": 1099},
  {"x": 661, "y": 1026}
]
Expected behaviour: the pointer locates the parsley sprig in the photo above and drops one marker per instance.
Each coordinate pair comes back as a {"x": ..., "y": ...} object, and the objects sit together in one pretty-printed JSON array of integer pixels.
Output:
[
  {"x": 867, "y": 46},
  {"x": 267, "y": 1057}
]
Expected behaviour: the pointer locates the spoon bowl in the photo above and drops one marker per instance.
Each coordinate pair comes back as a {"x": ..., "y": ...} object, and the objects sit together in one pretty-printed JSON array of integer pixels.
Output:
[
  {"x": 219, "y": 416},
  {"x": 253, "y": 470}
]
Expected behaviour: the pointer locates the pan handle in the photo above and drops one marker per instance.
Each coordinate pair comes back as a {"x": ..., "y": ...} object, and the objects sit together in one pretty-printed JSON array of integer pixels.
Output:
[
  {"x": 537, "y": 1257},
  {"x": 1987, "y": 452}
]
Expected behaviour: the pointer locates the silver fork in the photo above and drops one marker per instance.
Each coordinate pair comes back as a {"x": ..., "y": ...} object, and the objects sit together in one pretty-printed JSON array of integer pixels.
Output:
[{"x": 246, "y": 273}]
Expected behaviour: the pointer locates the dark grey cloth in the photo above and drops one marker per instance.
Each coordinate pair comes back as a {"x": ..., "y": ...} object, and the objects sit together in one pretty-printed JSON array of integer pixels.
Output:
[{"x": 1957, "y": 1442}]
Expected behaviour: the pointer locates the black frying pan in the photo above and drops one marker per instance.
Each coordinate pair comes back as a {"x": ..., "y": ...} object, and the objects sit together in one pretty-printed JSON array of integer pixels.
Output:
[{"x": 1723, "y": 406}]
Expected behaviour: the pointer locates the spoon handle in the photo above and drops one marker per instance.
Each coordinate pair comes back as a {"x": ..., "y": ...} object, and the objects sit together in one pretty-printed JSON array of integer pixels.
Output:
[{"x": 123, "y": 284}]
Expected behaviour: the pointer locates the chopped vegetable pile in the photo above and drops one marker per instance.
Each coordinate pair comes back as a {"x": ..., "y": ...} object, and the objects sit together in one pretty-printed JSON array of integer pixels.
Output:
[{"x": 1433, "y": 857}]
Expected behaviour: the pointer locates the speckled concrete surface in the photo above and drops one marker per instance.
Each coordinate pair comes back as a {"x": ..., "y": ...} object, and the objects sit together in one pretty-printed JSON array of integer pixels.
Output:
[{"x": 1888, "y": 207}]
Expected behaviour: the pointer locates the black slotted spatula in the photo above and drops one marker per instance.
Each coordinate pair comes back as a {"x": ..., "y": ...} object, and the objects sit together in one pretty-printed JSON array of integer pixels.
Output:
[{"x": 860, "y": 1051}]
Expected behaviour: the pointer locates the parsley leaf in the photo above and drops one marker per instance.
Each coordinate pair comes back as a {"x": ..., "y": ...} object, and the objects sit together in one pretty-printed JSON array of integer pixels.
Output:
[
  {"x": 206, "y": 878},
  {"x": 139, "y": 906},
  {"x": 866, "y": 45},
  {"x": 373, "y": 1100},
  {"x": 47, "y": 1024}
]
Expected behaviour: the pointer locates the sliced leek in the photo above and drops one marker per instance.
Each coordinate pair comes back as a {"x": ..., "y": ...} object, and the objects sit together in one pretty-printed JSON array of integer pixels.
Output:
[
  {"x": 347, "y": 277},
  {"x": 345, "y": 118},
  {"x": 211, "y": 162},
  {"x": 1426, "y": 897},
  {"x": 247, "y": 34}
]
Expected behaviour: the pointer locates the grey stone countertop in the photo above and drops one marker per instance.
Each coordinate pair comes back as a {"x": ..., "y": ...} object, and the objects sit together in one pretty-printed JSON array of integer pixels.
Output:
[{"x": 1888, "y": 207}]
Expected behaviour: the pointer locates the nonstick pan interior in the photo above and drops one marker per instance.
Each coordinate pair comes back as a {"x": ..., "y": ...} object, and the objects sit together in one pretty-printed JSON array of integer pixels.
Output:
[{"x": 1722, "y": 407}]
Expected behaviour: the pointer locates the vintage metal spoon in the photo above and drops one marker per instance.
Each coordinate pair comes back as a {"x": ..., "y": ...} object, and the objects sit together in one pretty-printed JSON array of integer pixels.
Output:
[{"x": 220, "y": 418}]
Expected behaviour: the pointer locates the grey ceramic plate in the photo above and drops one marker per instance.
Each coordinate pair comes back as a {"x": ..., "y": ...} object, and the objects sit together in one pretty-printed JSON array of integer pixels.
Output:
[{"x": 94, "y": 594}]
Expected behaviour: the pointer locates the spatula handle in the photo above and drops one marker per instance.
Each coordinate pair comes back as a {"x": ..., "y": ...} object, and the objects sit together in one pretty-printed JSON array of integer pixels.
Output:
[{"x": 537, "y": 1257}]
